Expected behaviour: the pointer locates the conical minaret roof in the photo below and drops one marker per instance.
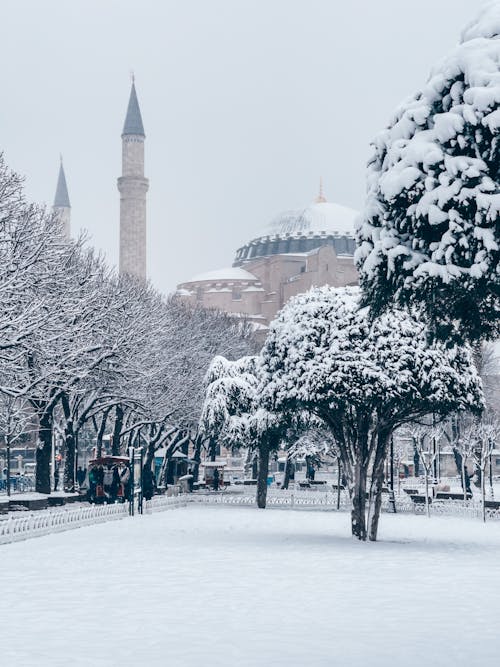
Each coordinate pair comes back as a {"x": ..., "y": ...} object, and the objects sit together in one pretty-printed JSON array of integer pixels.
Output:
[
  {"x": 61, "y": 200},
  {"x": 133, "y": 121}
]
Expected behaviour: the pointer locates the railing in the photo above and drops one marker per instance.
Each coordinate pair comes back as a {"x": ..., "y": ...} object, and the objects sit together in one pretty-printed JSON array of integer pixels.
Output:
[
  {"x": 35, "y": 524},
  {"x": 160, "y": 503},
  {"x": 328, "y": 501}
]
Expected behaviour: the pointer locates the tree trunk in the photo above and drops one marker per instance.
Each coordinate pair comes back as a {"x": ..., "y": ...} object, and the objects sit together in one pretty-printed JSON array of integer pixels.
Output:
[
  {"x": 483, "y": 492},
  {"x": 212, "y": 449},
  {"x": 376, "y": 488},
  {"x": 43, "y": 453},
  {"x": 197, "y": 457},
  {"x": 288, "y": 472},
  {"x": 416, "y": 462},
  {"x": 69, "y": 442},
  {"x": 358, "y": 518},
  {"x": 117, "y": 429},
  {"x": 69, "y": 459},
  {"x": 427, "y": 506},
  {"x": 100, "y": 434},
  {"x": 262, "y": 476}
]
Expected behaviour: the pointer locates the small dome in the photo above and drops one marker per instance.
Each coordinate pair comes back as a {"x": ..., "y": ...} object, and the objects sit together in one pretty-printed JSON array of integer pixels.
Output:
[{"x": 230, "y": 274}]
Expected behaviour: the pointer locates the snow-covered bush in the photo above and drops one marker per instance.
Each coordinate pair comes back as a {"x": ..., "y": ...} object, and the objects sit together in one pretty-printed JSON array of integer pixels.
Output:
[
  {"x": 430, "y": 232},
  {"x": 363, "y": 379}
]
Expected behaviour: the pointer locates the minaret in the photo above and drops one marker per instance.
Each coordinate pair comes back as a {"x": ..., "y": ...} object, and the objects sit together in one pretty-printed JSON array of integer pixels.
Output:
[
  {"x": 133, "y": 188},
  {"x": 62, "y": 207}
]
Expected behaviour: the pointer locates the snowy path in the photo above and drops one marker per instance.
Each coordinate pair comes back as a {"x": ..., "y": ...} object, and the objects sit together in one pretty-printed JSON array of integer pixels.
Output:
[{"x": 239, "y": 586}]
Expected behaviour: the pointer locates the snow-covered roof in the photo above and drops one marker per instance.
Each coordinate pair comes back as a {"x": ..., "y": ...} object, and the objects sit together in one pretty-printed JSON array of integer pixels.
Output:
[
  {"x": 317, "y": 218},
  {"x": 221, "y": 275}
]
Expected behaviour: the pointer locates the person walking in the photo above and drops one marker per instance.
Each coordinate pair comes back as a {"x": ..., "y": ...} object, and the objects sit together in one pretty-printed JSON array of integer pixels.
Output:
[
  {"x": 216, "y": 479},
  {"x": 56, "y": 478}
]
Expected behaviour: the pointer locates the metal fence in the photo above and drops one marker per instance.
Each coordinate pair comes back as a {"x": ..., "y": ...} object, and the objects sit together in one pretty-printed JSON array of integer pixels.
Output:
[
  {"x": 35, "y": 524},
  {"x": 321, "y": 500}
]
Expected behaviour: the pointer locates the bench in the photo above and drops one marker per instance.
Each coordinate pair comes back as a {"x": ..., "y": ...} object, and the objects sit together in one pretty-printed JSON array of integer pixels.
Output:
[
  {"x": 492, "y": 504},
  {"x": 442, "y": 495},
  {"x": 411, "y": 492},
  {"x": 56, "y": 501},
  {"x": 38, "y": 504},
  {"x": 419, "y": 500}
]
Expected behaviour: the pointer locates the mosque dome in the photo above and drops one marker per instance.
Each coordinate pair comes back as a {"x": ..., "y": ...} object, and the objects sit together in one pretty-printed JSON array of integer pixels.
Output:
[{"x": 303, "y": 230}]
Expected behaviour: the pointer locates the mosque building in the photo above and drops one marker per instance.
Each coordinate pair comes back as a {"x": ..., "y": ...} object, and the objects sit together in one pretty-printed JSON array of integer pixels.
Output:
[{"x": 298, "y": 249}]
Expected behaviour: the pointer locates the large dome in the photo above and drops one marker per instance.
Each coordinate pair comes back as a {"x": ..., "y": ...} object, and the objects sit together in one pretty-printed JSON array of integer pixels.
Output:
[
  {"x": 303, "y": 230},
  {"x": 318, "y": 218}
]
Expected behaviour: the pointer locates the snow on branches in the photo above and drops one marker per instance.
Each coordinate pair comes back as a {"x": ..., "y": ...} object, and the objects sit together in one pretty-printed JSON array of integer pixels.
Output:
[
  {"x": 81, "y": 347},
  {"x": 363, "y": 378},
  {"x": 430, "y": 231}
]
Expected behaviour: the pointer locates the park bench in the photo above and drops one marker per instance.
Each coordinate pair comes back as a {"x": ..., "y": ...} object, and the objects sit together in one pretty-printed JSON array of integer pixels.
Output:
[
  {"x": 492, "y": 504},
  {"x": 317, "y": 481},
  {"x": 442, "y": 495},
  {"x": 56, "y": 501},
  {"x": 335, "y": 487},
  {"x": 38, "y": 504},
  {"x": 419, "y": 500},
  {"x": 249, "y": 482},
  {"x": 411, "y": 492}
]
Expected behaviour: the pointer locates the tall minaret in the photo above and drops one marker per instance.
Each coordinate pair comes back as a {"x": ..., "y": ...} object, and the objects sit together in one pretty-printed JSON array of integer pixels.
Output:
[
  {"x": 62, "y": 207},
  {"x": 133, "y": 187}
]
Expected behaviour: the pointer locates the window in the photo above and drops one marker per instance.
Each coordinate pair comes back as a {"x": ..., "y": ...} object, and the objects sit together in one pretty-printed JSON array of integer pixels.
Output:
[{"x": 236, "y": 294}]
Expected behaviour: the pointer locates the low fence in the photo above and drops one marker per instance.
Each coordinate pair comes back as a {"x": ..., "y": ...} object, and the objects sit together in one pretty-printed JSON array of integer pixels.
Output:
[
  {"x": 321, "y": 500},
  {"x": 35, "y": 524},
  {"x": 162, "y": 503}
]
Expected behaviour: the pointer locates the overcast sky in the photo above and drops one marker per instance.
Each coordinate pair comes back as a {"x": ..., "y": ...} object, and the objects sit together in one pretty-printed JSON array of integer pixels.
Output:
[{"x": 245, "y": 104}]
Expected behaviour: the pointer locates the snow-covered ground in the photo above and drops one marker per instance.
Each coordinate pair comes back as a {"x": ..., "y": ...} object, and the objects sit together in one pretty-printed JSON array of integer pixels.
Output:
[{"x": 241, "y": 586}]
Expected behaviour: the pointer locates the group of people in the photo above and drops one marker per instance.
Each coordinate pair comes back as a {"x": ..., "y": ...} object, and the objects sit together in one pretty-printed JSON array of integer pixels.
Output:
[{"x": 108, "y": 483}]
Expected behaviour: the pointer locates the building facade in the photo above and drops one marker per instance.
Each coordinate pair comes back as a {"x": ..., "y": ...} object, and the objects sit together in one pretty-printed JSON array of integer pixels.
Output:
[{"x": 299, "y": 249}]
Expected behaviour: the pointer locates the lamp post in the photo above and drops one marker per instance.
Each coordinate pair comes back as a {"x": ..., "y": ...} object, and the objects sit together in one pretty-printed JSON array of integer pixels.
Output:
[
  {"x": 392, "y": 499},
  {"x": 391, "y": 465},
  {"x": 8, "y": 464}
]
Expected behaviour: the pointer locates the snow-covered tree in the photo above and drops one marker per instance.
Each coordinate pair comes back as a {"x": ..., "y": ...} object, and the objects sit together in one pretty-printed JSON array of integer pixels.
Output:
[
  {"x": 485, "y": 439},
  {"x": 430, "y": 232},
  {"x": 363, "y": 379},
  {"x": 424, "y": 438},
  {"x": 235, "y": 414}
]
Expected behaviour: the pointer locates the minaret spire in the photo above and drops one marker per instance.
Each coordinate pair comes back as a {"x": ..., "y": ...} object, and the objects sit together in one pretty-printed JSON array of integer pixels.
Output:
[
  {"x": 320, "y": 199},
  {"x": 62, "y": 206},
  {"x": 133, "y": 187}
]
